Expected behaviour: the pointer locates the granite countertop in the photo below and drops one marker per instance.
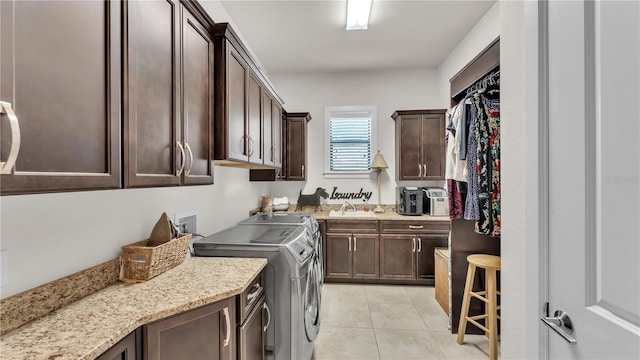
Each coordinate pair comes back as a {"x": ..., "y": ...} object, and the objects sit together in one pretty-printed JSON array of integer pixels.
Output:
[
  {"x": 90, "y": 326},
  {"x": 389, "y": 214}
]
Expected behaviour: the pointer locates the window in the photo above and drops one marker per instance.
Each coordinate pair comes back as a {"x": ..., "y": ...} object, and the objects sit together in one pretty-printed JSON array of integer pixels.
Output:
[{"x": 350, "y": 139}]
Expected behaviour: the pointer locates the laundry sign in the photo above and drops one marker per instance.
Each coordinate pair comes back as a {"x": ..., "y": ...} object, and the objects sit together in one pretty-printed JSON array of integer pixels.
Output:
[{"x": 337, "y": 195}]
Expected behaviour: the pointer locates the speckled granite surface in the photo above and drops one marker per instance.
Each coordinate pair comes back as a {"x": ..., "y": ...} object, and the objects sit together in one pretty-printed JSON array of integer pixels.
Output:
[
  {"x": 322, "y": 213},
  {"x": 35, "y": 303},
  {"x": 88, "y": 327}
]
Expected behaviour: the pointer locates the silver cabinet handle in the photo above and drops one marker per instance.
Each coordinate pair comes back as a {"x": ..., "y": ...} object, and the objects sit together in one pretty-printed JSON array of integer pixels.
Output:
[
  {"x": 245, "y": 144},
  {"x": 6, "y": 167},
  {"x": 355, "y": 243},
  {"x": 227, "y": 321},
  {"x": 349, "y": 243},
  {"x": 302, "y": 170},
  {"x": 424, "y": 172},
  {"x": 252, "y": 295},
  {"x": 414, "y": 245},
  {"x": 183, "y": 158},
  {"x": 266, "y": 307},
  {"x": 186, "y": 146},
  {"x": 419, "y": 245},
  {"x": 252, "y": 146},
  {"x": 561, "y": 323},
  {"x": 419, "y": 170},
  {"x": 416, "y": 226}
]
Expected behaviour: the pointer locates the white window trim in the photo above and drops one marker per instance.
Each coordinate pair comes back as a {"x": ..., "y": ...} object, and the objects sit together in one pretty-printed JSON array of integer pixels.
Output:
[{"x": 328, "y": 173}]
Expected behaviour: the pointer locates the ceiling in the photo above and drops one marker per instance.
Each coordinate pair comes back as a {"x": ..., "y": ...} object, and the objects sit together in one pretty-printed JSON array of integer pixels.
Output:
[{"x": 310, "y": 36}]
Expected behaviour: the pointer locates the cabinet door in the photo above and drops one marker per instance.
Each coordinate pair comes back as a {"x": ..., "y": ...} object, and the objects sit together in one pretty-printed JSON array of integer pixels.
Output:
[
  {"x": 252, "y": 334},
  {"x": 197, "y": 100},
  {"x": 338, "y": 254},
  {"x": 129, "y": 348},
  {"x": 296, "y": 148},
  {"x": 410, "y": 142},
  {"x": 433, "y": 146},
  {"x": 427, "y": 244},
  {"x": 152, "y": 154},
  {"x": 254, "y": 129},
  {"x": 60, "y": 69},
  {"x": 236, "y": 98},
  {"x": 397, "y": 257},
  {"x": 365, "y": 256},
  {"x": 204, "y": 333},
  {"x": 268, "y": 128},
  {"x": 276, "y": 120}
]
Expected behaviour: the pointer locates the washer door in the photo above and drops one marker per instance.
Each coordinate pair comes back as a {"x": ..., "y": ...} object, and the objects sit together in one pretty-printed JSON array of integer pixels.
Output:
[{"x": 312, "y": 303}]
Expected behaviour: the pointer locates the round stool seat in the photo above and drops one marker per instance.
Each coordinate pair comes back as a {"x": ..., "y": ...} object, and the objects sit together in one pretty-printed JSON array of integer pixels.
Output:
[{"x": 485, "y": 261}]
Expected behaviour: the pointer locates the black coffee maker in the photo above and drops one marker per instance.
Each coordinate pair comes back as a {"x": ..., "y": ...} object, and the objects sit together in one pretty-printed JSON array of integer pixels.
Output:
[{"x": 409, "y": 200}]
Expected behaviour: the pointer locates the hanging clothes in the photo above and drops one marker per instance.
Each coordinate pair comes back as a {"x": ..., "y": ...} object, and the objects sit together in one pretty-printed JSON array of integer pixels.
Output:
[
  {"x": 471, "y": 211},
  {"x": 455, "y": 169},
  {"x": 487, "y": 133}
]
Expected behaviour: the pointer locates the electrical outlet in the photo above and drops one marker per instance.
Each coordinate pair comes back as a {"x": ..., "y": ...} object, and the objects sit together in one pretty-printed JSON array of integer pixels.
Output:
[{"x": 187, "y": 221}]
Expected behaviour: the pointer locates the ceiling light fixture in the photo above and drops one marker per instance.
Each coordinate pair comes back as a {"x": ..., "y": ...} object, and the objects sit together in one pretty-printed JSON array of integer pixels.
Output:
[{"x": 358, "y": 14}]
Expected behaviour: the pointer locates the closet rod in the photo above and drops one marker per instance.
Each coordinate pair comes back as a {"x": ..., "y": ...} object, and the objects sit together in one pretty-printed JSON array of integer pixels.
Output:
[{"x": 464, "y": 91}]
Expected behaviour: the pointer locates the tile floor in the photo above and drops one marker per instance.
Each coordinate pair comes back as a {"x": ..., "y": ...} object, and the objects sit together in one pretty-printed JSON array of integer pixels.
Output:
[{"x": 389, "y": 322}]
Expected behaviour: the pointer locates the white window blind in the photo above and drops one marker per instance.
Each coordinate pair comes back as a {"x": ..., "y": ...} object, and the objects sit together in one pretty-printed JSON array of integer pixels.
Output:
[{"x": 350, "y": 134}]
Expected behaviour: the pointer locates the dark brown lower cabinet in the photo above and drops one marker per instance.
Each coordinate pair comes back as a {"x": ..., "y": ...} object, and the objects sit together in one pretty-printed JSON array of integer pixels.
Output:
[
  {"x": 208, "y": 332},
  {"x": 398, "y": 259},
  {"x": 251, "y": 334},
  {"x": 401, "y": 252},
  {"x": 427, "y": 244},
  {"x": 129, "y": 348},
  {"x": 352, "y": 256}
]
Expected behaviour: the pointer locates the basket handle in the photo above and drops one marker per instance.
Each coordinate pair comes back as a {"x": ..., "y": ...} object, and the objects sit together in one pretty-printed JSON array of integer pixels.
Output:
[{"x": 138, "y": 257}]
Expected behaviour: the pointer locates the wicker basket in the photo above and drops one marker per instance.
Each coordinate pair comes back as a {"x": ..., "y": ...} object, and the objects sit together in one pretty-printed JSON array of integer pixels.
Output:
[{"x": 141, "y": 262}]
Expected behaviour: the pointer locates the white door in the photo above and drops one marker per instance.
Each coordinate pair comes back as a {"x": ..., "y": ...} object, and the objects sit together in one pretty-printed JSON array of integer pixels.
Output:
[{"x": 594, "y": 187}]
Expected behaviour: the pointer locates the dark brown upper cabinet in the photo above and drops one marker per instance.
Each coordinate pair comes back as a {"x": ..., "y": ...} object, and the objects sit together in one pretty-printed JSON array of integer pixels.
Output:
[
  {"x": 277, "y": 131},
  {"x": 296, "y": 146},
  {"x": 289, "y": 143},
  {"x": 244, "y": 106},
  {"x": 61, "y": 71},
  {"x": 254, "y": 126},
  {"x": 168, "y": 96},
  {"x": 419, "y": 144},
  {"x": 272, "y": 118}
]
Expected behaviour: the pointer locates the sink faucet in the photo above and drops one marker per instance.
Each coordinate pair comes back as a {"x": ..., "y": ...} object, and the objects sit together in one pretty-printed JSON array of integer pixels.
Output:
[{"x": 345, "y": 206}]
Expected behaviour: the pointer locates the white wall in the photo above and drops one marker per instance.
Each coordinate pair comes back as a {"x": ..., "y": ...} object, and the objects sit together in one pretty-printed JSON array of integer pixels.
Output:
[
  {"x": 521, "y": 181},
  {"x": 50, "y": 236},
  {"x": 387, "y": 90},
  {"x": 482, "y": 34}
]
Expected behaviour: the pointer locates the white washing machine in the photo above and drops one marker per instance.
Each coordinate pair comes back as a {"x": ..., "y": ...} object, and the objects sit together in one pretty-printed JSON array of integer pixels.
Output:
[{"x": 292, "y": 286}]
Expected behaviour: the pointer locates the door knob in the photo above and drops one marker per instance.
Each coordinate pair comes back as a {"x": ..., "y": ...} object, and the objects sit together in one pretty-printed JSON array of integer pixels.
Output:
[{"x": 561, "y": 323}]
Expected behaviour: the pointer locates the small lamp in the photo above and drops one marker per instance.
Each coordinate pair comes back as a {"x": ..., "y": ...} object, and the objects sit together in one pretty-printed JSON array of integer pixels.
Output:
[{"x": 378, "y": 164}]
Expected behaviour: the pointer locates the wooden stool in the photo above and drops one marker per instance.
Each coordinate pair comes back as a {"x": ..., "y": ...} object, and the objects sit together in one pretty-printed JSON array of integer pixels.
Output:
[{"x": 490, "y": 264}]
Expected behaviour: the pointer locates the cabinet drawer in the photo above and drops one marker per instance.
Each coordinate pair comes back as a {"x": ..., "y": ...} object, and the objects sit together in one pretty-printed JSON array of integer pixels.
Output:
[
  {"x": 250, "y": 296},
  {"x": 413, "y": 227},
  {"x": 351, "y": 226}
]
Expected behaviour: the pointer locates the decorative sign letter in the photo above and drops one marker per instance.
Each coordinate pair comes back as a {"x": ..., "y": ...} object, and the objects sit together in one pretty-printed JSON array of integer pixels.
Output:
[{"x": 336, "y": 195}]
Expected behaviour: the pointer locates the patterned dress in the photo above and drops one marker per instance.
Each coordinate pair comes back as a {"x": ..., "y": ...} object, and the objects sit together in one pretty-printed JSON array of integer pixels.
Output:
[
  {"x": 471, "y": 211},
  {"x": 487, "y": 134}
]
